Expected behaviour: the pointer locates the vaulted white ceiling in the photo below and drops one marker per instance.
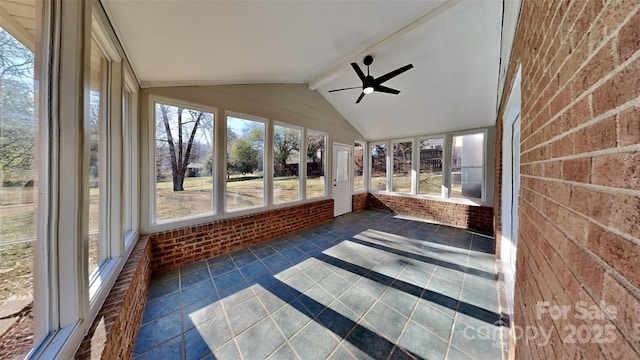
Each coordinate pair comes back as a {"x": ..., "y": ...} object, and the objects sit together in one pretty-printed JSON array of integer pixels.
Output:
[{"x": 454, "y": 46}]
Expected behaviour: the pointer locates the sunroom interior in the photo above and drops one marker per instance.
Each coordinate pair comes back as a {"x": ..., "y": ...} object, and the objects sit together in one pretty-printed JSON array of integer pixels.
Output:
[{"x": 180, "y": 179}]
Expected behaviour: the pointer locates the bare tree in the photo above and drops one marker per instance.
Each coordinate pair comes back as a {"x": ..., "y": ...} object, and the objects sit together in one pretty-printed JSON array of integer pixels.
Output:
[
  {"x": 185, "y": 124},
  {"x": 17, "y": 120}
]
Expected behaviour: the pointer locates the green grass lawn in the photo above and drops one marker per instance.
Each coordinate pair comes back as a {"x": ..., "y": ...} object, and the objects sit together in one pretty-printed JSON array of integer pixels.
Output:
[
  {"x": 430, "y": 184},
  {"x": 242, "y": 192}
]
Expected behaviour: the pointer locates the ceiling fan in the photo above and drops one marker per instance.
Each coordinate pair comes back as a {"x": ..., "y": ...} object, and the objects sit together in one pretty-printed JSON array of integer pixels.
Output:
[{"x": 371, "y": 84}]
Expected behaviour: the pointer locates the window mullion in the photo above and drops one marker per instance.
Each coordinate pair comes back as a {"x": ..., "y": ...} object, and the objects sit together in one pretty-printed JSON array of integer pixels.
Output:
[
  {"x": 415, "y": 166},
  {"x": 72, "y": 118},
  {"x": 267, "y": 165},
  {"x": 446, "y": 167}
]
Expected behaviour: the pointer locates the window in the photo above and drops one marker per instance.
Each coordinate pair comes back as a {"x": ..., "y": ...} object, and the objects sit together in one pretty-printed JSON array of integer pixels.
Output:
[
  {"x": 358, "y": 166},
  {"x": 463, "y": 162},
  {"x": 245, "y": 163},
  {"x": 378, "y": 180},
  {"x": 62, "y": 166},
  {"x": 98, "y": 90},
  {"x": 402, "y": 166},
  {"x": 431, "y": 166},
  {"x": 467, "y": 166},
  {"x": 286, "y": 163},
  {"x": 130, "y": 161},
  {"x": 184, "y": 162},
  {"x": 316, "y": 164},
  {"x": 19, "y": 182}
]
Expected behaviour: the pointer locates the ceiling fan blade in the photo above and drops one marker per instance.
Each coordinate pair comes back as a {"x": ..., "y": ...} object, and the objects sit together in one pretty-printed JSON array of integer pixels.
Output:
[
  {"x": 358, "y": 71},
  {"x": 385, "y": 89},
  {"x": 349, "y": 88},
  {"x": 392, "y": 74},
  {"x": 360, "y": 98}
]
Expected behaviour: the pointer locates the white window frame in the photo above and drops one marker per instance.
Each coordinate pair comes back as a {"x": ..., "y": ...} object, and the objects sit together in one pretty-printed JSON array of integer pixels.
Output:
[
  {"x": 446, "y": 167},
  {"x": 267, "y": 163},
  {"x": 110, "y": 240},
  {"x": 393, "y": 159},
  {"x": 387, "y": 165},
  {"x": 301, "y": 156},
  {"x": 186, "y": 220},
  {"x": 131, "y": 177},
  {"x": 219, "y": 177},
  {"x": 485, "y": 134},
  {"x": 365, "y": 171},
  {"x": 65, "y": 306},
  {"x": 325, "y": 163},
  {"x": 443, "y": 187}
]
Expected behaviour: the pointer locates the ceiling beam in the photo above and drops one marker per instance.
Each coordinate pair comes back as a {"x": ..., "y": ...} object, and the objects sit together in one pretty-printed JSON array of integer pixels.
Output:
[{"x": 331, "y": 74}]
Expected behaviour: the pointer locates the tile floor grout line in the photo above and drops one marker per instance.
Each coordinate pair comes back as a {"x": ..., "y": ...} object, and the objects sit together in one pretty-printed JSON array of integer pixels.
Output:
[
  {"x": 183, "y": 348},
  {"x": 226, "y": 317},
  {"x": 395, "y": 345},
  {"x": 455, "y": 318},
  {"x": 322, "y": 238}
]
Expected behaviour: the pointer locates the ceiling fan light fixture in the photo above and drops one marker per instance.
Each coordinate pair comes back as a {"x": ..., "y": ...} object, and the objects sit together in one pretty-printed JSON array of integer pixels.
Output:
[{"x": 371, "y": 84}]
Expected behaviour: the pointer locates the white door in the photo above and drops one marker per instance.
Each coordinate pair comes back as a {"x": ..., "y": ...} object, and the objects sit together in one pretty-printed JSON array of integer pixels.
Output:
[
  {"x": 510, "y": 190},
  {"x": 341, "y": 178}
]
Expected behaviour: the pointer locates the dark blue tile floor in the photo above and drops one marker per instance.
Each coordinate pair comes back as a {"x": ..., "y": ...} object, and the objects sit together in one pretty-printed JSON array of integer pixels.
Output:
[{"x": 367, "y": 285}]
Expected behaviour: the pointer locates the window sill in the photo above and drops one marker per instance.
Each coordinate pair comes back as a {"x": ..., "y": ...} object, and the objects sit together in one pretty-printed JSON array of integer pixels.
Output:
[
  {"x": 470, "y": 202},
  {"x": 202, "y": 219}
]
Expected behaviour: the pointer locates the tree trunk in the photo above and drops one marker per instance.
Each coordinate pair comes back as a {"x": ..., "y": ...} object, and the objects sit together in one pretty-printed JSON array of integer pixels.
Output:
[{"x": 178, "y": 181}]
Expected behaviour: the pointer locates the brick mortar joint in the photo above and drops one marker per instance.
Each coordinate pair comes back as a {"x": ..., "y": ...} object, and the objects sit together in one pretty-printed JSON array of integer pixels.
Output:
[
  {"x": 254, "y": 217},
  {"x": 615, "y": 231},
  {"x": 113, "y": 319},
  {"x": 601, "y": 188},
  {"x": 587, "y": 92},
  {"x": 587, "y": 124},
  {"x": 606, "y": 267},
  {"x": 607, "y": 270}
]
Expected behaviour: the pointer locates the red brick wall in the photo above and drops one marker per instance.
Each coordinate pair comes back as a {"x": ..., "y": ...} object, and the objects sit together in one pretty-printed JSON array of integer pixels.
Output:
[
  {"x": 174, "y": 248},
  {"x": 359, "y": 201},
  {"x": 476, "y": 218},
  {"x": 579, "y": 206},
  {"x": 113, "y": 333}
]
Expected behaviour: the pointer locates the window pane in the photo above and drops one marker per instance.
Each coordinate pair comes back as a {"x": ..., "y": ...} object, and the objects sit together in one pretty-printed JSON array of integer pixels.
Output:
[
  {"x": 286, "y": 164},
  {"x": 431, "y": 166},
  {"x": 342, "y": 166},
  {"x": 97, "y": 108},
  {"x": 127, "y": 157},
  {"x": 316, "y": 151},
  {"x": 245, "y": 163},
  {"x": 378, "y": 167},
  {"x": 184, "y": 162},
  {"x": 358, "y": 166},
  {"x": 402, "y": 163},
  {"x": 18, "y": 184},
  {"x": 467, "y": 161},
  {"x": 467, "y": 150}
]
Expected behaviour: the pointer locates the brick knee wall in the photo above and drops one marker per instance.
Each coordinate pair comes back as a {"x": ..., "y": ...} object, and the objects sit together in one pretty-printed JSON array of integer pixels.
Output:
[
  {"x": 174, "y": 248},
  {"x": 113, "y": 333},
  {"x": 359, "y": 201},
  {"x": 579, "y": 205},
  {"x": 476, "y": 218}
]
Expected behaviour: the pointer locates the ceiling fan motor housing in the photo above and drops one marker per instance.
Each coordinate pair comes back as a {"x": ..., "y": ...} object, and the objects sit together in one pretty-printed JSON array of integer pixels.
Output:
[{"x": 368, "y": 60}]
